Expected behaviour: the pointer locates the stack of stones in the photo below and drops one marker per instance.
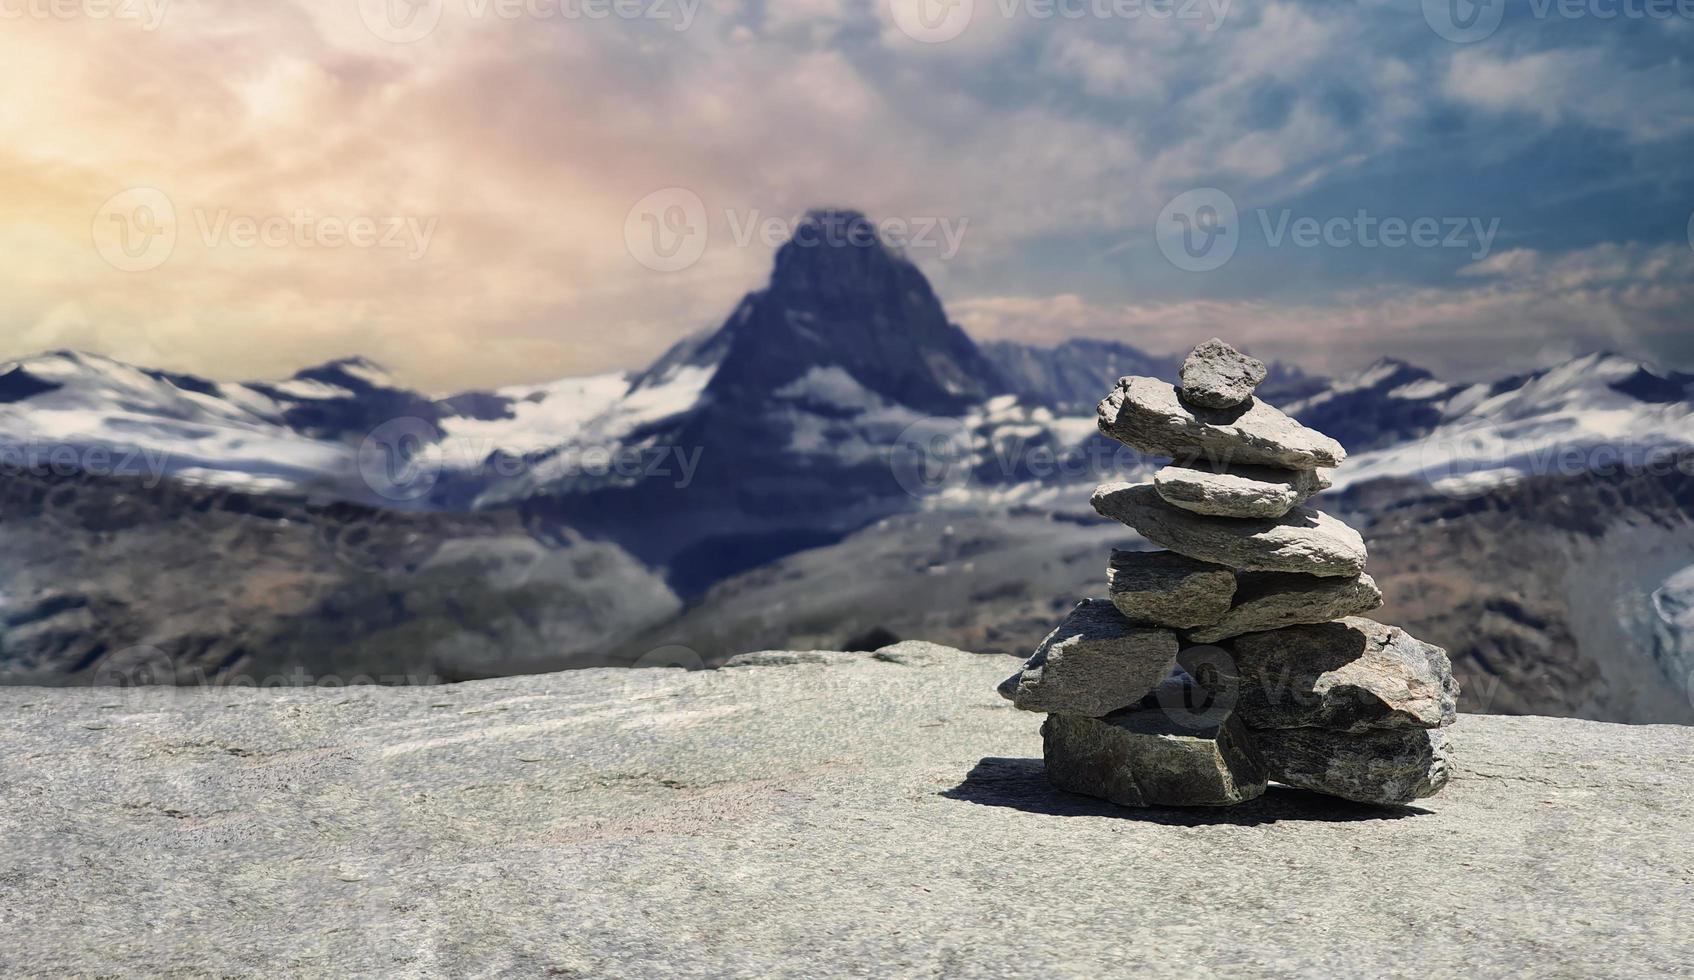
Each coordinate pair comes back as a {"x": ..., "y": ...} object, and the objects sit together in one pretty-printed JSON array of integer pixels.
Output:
[{"x": 1239, "y": 655}]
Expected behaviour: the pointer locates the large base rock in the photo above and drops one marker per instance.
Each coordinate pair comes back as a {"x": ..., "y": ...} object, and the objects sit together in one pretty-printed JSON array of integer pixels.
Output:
[
  {"x": 1146, "y": 414},
  {"x": 1303, "y": 540},
  {"x": 1141, "y": 757},
  {"x": 1240, "y": 491},
  {"x": 1349, "y": 676},
  {"x": 1386, "y": 767},
  {"x": 1272, "y": 600},
  {"x": 1163, "y": 588},
  {"x": 1094, "y": 663}
]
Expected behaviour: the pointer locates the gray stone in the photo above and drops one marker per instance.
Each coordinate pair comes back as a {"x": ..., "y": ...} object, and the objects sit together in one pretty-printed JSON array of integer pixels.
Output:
[
  {"x": 1384, "y": 766},
  {"x": 1240, "y": 491},
  {"x": 1216, "y": 375},
  {"x": 1141, "y": 757},
  {"x": 849, "y": 818},
  {"x": 1349, "y": 676},
  {"x": 1094, "y": 663},
  {"x": 1163, "y": 588},
  {"x": 1303, "y": 540},
  {"x": 1146, "y": 414},
  {"x": 1272, "y": 600}
]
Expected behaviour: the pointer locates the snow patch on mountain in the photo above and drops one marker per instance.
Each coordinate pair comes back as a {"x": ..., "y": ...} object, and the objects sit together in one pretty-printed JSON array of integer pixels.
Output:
[{"x": 1567, "y": 420}]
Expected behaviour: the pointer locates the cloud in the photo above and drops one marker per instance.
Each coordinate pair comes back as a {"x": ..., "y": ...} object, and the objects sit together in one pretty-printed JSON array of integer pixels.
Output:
[
  {"x": 1633, "y": 299},
  {"x": 524, "y": 143}
]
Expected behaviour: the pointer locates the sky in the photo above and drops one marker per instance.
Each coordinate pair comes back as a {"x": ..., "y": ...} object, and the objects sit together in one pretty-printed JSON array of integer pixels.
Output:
[{"x": 487, "y": 192}]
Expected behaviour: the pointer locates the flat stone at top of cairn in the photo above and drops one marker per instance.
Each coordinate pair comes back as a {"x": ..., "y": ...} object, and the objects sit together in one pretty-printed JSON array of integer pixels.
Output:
[
  {"x": 1094, "y": 663},
  {"x": 1146, "y": 415},
  {"x": 1349, "y": 676},
  {"x": 1303, "y": 540},
  {"x": 1273, "y": 600},
  {"x": 1216, "y": 375},
  {"x": 1239, "y": 491},
  {"x": 1163, "y": 588}
]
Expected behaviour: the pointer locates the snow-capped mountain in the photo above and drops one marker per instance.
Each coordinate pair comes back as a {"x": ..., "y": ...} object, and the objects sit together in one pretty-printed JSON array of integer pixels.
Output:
[
  {"x": 833, "y": 438},
  {"x": 1597, "y": 412}
]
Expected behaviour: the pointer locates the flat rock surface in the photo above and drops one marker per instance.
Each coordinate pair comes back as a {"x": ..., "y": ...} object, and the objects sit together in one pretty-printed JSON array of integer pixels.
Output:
[
  {"x": 1146, "y": 414},
  {"x": 1304, "y": 540},
  {"x": 1273, "y": 600},
  {"x": 1239, "y": 491},
  {"x": 1092, "y": 664},
  {"x": 1163, "y": 588},
  {"x": 861, "y": 815}
]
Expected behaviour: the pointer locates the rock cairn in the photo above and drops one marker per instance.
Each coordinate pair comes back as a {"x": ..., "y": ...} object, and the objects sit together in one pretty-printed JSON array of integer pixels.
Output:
[{"x": 1239, "y": 655}]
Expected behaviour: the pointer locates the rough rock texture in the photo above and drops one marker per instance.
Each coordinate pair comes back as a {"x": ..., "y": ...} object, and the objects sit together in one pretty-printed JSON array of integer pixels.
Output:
[
  {"x": 1141, "y": 757},
  {"x": 1272, "y": 600},
  {"x": 1216, "y": 375},
  {"x": 1145, "y": 414},
  {"x": 1240, "y": 491},
  {"x": 853, "y": 816},
  {"x": 1348, "y": 676},
  {"x": 1385, "y": 766},
  {"x": 1304, "y": 540},
  {"x": 1094, "y": 663},
  {"x": 1163, "y": 588}
]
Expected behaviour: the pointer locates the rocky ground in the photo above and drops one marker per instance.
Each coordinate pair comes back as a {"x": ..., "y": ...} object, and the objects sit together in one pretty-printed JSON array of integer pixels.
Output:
[{"x": 804, "y": 815}]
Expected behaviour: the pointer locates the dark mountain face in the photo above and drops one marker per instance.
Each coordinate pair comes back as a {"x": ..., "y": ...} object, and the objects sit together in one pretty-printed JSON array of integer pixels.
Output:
[
  {"x": 839, "y": 297},
  {"x": 370, "y": 400}
]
